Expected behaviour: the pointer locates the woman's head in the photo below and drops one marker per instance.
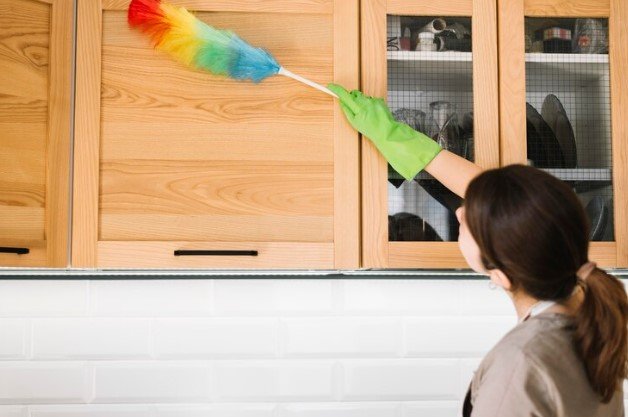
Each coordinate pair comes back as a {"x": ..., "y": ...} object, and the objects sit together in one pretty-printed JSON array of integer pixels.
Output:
[
  {"x": 527, "y": 224},
  {"x": 529, "y": 229}
]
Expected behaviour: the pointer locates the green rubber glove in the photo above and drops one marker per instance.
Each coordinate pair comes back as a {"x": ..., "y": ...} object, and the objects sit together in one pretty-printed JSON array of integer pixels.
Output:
[{"x": 405, "y": 149}]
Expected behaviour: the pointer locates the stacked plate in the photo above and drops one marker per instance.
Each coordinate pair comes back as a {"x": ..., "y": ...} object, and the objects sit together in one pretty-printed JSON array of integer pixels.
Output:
[{"x": 550, "y": 138}]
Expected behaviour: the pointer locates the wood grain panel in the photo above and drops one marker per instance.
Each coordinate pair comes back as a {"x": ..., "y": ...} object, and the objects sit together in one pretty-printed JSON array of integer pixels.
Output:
[
  {"x": 604, "y": 254},
  {"x": 618, "y": 56},
  {"x": 86, "y": 135},
  {"x": 23, "y": 153},
  {"x": 59, "y": 132},
  {"x": 374, "y": 172},
  {"x": 346, "y": 139},
  {"x": 512, "y": 89},
  {"x": 259, "y": 6},
  {"x": 216, "y": 187},
  {"x": 294, "y": 255},
  {"x": 21, "y": 195},
  {"x": 425, "y": 255},
  {"x": 567, "y": 8},
  {"x": 229, "y": 228},
  {"x": 485, "y": 84},
  {"x": 185, "y": 156},
  {"x": 430, "y": 8},
  {"x": 176, "y": 94},
  {"x": 19, "y": 222},
  {"x": 130, "y": 140},
  {"x": 24, "y": 66},
  {"x": 166, "y": 90}
]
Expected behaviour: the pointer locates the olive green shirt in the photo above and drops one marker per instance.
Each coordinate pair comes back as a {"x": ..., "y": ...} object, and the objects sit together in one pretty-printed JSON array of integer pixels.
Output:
[{"x": 534, "y": 371}]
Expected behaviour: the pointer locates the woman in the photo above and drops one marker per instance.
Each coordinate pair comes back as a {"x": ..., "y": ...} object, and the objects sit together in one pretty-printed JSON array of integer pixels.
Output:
[{"x": 528, "y": 232}]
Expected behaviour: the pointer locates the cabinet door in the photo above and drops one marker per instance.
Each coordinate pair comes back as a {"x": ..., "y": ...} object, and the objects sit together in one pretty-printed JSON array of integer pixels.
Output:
[
  {"x": 178, "y": 168},
  {"x": 35, "y": 100},
  {"x": 447, "y": 89},
  {"x": 564, "y": 105}
]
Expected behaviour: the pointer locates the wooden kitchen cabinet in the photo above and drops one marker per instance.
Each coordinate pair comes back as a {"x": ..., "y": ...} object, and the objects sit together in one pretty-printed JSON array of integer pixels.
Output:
[
  {"x": 170, "y": 161},
  {"x": 579, "y": 88},
  {"x": 35, "y": 126},
  {"x": 410, "y": 224},
  {"x": 580, "y": 92}
]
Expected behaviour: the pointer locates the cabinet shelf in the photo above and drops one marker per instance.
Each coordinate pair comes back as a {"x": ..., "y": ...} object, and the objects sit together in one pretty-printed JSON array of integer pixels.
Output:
[
  {"x": 568, "y": 71},
  {"x": 429, "y": 56},
  {"x": 432, "y": 71},
  {"x": 581, "y": 174},
  {"x": 567, "y": 58}
]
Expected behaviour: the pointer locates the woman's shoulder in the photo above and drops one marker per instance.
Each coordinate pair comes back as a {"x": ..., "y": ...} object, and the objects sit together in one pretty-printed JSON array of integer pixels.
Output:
[{"x": 539, "y": 340}]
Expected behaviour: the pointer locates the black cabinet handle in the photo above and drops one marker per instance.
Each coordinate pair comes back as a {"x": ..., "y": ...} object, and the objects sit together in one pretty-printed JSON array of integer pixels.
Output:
[
  {"x": 181, "y": 252},
  {"x": 17, "y": 251}
]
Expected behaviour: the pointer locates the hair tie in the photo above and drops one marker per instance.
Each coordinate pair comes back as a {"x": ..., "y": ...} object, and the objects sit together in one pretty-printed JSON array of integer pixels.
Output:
[{"x": 585, "y": 270}]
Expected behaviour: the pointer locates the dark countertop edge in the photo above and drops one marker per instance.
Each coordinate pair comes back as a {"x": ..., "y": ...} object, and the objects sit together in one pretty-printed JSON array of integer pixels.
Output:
[{"x": 146, "y": 274}]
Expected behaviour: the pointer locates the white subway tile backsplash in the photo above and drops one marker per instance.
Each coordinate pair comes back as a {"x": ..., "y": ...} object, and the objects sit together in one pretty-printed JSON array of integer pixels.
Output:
[
  {"x": 479, "y": 299},
  {"x": 92, "y": 410},
  {"x": 216, "y": 410},
  {"x": 144, "y": 298},
  {"x": 34, "y": 298},
  {"x": 432, "y": 409},
  {"x": 39, "y": 382},
  {"x": 401, "y": 379},
  {"x": 13, "y": 411},
  {"x": 273, "y": 297},
  {"x": 368, "y": 409},
  {"x": 13, "y": 338},
  {"x": 91, "y": 338},
  {"x": 454, "y": 336},
  {"x": 277, "y": 380},
  {"x": 215, "y": 338},
  {"x": 467, "y": 370},
  {"x": 244, "y": 347},
  {"x": 136, "y": 382},
  {"x": 341, "y": 336},
  {"x": 396, "y": 296}
]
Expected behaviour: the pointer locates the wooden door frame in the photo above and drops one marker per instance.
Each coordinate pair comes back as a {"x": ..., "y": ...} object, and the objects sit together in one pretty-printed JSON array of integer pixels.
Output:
[
  {"x": 345, "y": 252},
  {"x": 377, "y": 251},
  {"x": 59, "y": 133},
  {"x": 512, "y": 92}
]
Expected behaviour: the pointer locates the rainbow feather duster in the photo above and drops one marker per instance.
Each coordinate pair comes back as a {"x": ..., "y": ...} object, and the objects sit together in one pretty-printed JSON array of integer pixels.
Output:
[{"x": 194, "y": 43}]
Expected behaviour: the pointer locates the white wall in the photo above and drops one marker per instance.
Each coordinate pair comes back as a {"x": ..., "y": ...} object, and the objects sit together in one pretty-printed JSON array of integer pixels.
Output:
[{"x": 244, "y": 347}]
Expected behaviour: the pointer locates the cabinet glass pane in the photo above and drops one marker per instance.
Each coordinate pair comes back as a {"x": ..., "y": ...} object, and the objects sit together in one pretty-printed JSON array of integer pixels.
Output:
[
  {"x": 568, "y": 110},
  {"x": 430, "y": 87}
]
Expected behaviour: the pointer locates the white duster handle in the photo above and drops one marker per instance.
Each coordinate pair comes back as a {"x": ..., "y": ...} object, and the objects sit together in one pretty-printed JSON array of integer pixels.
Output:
[{"x": 283, "y": 71}]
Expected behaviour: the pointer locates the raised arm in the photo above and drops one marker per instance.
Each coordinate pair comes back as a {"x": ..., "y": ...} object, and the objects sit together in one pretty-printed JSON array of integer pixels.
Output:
[
  {"x": 453, "y": 171},
  {"x": 405, "y": 149}
]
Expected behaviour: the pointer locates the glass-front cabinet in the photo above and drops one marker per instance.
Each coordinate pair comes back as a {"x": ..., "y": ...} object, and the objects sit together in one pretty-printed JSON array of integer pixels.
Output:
[
  {"x": 563, "y": 105},
  {"x": 437, "y": 65},
  {"x": 537, "y": 82}
]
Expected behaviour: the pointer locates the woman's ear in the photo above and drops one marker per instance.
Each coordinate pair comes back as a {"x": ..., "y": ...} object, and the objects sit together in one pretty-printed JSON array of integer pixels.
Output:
[{"x": 500, "y": 279}]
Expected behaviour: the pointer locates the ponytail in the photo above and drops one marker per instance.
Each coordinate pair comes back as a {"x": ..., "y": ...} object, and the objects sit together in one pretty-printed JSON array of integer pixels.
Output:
[{"x": 601, "y": 332}]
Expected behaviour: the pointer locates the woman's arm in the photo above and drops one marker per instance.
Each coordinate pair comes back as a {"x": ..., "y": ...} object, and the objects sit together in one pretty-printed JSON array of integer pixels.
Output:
[
  {"x": 405, "y": 149},
  {"x": 453, "y": 171}
]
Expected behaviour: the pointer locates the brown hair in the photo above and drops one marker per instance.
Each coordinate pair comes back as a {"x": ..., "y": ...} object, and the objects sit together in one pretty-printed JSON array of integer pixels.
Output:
[{"x": 533, "y": 228}]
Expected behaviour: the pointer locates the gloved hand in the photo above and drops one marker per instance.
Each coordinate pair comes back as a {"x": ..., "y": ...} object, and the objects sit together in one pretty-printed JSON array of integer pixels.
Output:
[{"x": 405, "y": 149}]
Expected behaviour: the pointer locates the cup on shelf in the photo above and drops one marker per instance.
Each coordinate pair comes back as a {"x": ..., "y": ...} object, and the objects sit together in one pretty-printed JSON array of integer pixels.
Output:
[
  {"x": 412, "y": 117},
  {"x": 425, "y": 42},
  {"x": 444, "y": 126},
  {"x": 590, "y": 37},
  {"x": 435, "y": 26}
]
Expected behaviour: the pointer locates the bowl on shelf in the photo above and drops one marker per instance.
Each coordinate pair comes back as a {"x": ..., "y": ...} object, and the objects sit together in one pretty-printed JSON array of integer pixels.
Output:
[{"x": 409, "y": 227}]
